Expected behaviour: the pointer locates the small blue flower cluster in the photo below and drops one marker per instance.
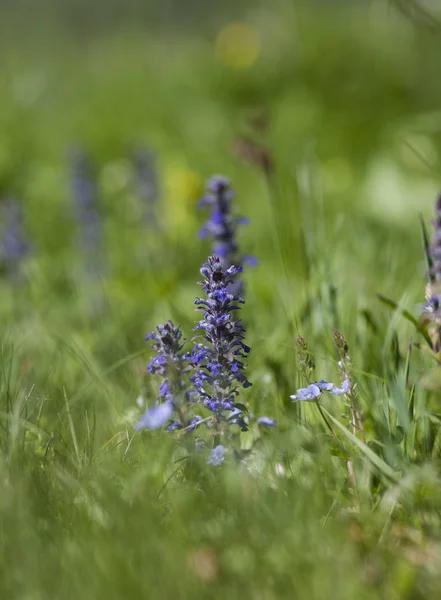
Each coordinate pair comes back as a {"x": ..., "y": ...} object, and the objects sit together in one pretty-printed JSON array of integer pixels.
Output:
[
  {"x": 15, "y": 246},
  {"x": 313, "y": 392},
  {"x": 146, "y": 181},
  {"x": 433, "y": 291},
  {"x": 219, "y": 365},
  {"x": 211, "y": 374},
  {"x": 221, "y": 225},
  {"x": 169, "y": 364},
  {"x": 85, "y": 197}
]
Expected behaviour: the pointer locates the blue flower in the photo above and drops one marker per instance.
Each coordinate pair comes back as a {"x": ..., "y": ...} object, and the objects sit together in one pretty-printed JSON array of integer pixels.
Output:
[
  {"x": 173, "y": 425},
  {"x": 85, "y": 196},
  {"x": 221, "y": 225},
  {"x": 194, "y": 423},
  {"x": 324, "y": 385},
  {"x": 170, "y": 364},
  {"x": 435, "y": 248},
  {"x": 14, "y": 245},
  {"x": 144, "y": 164},
  {"x": 156, "y": 416},
  {"x": 219, "y": 370},
  {"x": 164, "y": 389},
  {"x": 216, "y": 456},
  {"x": 267, "y": 422},
  {"x": 344, "y": 389},
  {"x": 307, "y": 394}
]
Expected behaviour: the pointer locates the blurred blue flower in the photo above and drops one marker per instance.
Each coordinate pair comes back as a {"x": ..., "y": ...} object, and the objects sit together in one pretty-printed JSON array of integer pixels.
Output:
[
  {"x": 344, "y": 389},
  {"x": 324, "y": 385},
  {"x": 144, "y": 163},
  {"x": 216, "y": 456},
  {"x": 307, "y": 394},
  {"x": 221, "y": 225},
  {"x": 85, "y": 196},
  {"x": 14, "y": 245},
  {"x": 156, "y": 416},
  {"x": 267, "y": 422},
  {"x": 173, "y": 425}
]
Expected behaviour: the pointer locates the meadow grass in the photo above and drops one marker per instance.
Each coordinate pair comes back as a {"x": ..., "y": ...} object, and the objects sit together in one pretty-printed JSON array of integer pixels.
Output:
[{"x": 91, "y": 508}]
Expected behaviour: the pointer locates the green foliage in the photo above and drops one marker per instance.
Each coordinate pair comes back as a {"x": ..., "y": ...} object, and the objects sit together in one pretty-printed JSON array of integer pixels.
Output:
[{"x": 91, "y": 509}]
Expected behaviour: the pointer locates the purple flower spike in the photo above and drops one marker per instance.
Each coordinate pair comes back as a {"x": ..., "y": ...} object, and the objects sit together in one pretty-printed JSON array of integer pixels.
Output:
[
  {"x": 84, "y": 191},
  {"x": 308, "y": 394},
  {"x": 344, "y": 389},
  {"x": 144, "y": 163},
  {"x": 217, "y": 455},
  {"x": 221, "y": 225},
  {"x": 218, "y": 361},
  {"x": 170, "y": 364},
  {"x": 156, "y": 416},
  {"x": 14, "y": 245},
  {"x": 267, "y": 422},
  {"x": 324, "y": 385}
]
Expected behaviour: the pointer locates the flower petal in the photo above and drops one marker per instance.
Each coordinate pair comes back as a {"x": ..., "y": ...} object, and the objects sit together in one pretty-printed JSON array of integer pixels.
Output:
[{"x": 155, "y": 416}]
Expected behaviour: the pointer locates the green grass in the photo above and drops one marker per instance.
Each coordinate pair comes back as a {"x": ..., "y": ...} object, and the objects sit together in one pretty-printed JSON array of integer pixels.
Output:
[{"x": 91, "y": 509}]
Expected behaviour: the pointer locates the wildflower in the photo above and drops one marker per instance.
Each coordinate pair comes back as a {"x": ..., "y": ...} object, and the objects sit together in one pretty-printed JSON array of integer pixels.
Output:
[
  {"x": 85, "y": 197},
  {"x": 267, "y": 422},
  {"x": 173, "y": 425},
  {"x": 324, "y": 385},
  {"x": 169, "y": 363},
  {"x": 221, "y": 226},
  {"x": 147, "y": 181},
  {"x": 219, "y": 360},
  {"x": 217, "y": 455},
  {"x": 14, "y": 247},
  {"x": 344, "y": 389},
  {"x": 156, "y": 416},
  {"x": 433, "y": 289},
  {"x": 308, "y": 394}
]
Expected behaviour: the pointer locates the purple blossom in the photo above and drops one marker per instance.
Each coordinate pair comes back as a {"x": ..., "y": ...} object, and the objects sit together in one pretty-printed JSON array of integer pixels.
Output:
[
  {"x": 217, "y": 455},
  {"x": 173, "y": 426},
  {"x": 85, "y": 196},
  {"x": 433, "y": 289},
  {"x": 144, "y": 164},
  {"x": 324, "y": 385},
  {"x": 194, "y": 423},
  {"x": 308, "y": 394},
  {"x": 15, "y": 246},
  {"x": 218, "y": 362},
  {"x": 344, "y": 389},
  {"x": 221, "y": 225},
  {"x": 156, "y": 416},
  {"x": 435, "y": 248},
  {"x": 169, "y": 364}
]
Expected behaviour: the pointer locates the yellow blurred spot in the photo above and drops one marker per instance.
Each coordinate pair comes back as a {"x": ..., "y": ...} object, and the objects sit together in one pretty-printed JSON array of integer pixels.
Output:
[
  {"x": 184, "y": 188},
  {"x": 238, "y": 46},
  {"x": 337, "y": 175}
]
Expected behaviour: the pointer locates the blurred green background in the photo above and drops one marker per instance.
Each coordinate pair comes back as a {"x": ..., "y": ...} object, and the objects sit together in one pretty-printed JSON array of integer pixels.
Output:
[{"x": 345, "y": 97}]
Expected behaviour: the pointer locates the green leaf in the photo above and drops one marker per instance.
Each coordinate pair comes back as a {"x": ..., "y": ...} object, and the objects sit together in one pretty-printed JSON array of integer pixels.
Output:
[
  {"x": 426, "y": 248},
  {"x": 406, "y": 314},
  {"x": 431, "y": 380},
  {"x": 372, "y": 457}
]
